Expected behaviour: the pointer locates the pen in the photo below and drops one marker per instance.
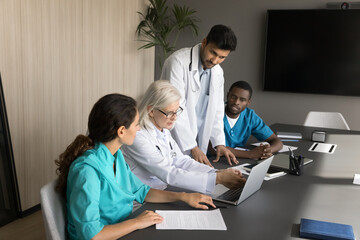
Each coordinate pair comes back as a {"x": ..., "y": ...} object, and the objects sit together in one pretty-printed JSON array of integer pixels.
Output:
[
  {"x": 291, "y": 153},
  {"x": 221, "y": 206},
  {"x": 289, "y": 140}
]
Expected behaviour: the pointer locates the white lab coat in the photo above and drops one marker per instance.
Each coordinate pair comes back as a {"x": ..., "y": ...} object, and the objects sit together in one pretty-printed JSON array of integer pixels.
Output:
[
  {"x": 151, "y": 161},
  {"x": 176, "y": 69}
]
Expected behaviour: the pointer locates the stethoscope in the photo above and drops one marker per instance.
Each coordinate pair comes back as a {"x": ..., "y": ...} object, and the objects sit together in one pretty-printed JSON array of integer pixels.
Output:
[
  {"x": 190, "y": 64},
  {"x": 172, "y": 152}
]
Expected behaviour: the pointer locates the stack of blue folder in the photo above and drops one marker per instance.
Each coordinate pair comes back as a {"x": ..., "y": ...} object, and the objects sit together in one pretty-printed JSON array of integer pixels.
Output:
[{"x": 325, "y": 230}]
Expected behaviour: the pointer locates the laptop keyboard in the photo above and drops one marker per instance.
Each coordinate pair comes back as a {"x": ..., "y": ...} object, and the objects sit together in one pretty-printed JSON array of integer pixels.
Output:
[{"x": 231, "y": 195}]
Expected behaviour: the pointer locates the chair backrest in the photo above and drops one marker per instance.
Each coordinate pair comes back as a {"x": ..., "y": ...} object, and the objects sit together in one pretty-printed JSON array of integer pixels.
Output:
[
  {"x": 54, "y": 212},
  {"x": 326, "y": 120}
]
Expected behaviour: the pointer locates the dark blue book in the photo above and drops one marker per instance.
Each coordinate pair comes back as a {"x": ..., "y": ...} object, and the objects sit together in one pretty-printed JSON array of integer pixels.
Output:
[{"x": 325, "y": 230}]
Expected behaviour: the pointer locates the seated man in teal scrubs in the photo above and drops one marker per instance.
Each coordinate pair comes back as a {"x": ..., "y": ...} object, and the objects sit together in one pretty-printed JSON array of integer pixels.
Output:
[{"x": 240, "y": 122}]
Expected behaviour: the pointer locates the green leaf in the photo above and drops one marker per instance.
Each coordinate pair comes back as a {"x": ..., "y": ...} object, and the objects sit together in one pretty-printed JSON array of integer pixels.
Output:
[{"x": 158, "y": 25}]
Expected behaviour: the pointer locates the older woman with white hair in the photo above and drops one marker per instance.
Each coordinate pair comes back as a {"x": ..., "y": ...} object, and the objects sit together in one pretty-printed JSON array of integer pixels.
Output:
[{"x": 156, "y": 159}]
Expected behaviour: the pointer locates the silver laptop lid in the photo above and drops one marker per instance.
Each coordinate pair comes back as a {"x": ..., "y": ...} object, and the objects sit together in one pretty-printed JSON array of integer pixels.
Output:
[
  {"x": 255, "y": 179},
  {"x": 253, "y": 183}
]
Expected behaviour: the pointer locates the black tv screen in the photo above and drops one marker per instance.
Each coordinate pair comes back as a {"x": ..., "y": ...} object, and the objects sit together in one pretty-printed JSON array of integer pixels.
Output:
[{"x": 313, "y": 51}]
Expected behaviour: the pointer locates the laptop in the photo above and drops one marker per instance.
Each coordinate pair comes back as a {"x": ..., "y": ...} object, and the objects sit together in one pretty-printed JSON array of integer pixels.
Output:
[{"x": 252, "y": 185}]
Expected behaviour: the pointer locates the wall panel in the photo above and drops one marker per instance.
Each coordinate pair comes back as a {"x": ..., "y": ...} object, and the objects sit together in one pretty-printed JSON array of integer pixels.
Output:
[{"x": 57, "y": 58}]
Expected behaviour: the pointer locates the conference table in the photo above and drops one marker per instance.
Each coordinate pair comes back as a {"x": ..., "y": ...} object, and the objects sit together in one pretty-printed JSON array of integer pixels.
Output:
[{"x": 325, "y": 191}]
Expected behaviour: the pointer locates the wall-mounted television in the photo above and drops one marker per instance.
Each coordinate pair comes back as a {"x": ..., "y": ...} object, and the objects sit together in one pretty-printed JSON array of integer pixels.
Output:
[{"x": 313, "y": 51}]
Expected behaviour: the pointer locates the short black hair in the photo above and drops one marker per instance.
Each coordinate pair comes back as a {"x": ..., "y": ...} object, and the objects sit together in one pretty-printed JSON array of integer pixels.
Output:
[
  {"x": 223, "y": 37},
  {"x": 242, "y": 84}
]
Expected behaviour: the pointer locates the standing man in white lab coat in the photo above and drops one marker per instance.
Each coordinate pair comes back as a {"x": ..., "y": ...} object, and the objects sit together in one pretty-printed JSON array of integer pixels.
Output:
[{"x": 196, "y": 73}]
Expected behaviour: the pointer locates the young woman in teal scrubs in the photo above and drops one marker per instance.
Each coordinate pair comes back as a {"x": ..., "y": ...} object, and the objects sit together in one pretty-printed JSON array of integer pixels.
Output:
[{"x": 98, "y": 184}]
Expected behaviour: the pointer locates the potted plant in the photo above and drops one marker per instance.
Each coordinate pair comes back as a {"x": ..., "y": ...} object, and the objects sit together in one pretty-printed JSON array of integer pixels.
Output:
[{"x": 159, "y": 26}]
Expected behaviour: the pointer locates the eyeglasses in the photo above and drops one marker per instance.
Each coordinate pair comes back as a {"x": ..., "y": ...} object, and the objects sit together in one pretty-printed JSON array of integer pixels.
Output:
[{"x": 171, "y": 114}]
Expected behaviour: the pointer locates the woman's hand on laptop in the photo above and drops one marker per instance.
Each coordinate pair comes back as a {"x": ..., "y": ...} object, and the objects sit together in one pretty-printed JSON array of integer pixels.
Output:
[{"x": 230, "y": 178}]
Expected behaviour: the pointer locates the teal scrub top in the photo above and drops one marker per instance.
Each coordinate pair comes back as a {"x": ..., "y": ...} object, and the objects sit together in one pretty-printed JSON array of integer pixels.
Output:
[
  {"x": 248, "y": 123},
  {"x": 95, "y": 197}
]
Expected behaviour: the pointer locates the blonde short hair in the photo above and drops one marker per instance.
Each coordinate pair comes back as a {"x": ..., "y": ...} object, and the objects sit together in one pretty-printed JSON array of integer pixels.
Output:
[{"x": 159, "y": 95}]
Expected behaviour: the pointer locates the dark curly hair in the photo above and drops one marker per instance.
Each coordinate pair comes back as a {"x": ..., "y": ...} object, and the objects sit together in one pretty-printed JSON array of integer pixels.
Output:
[{"x": 107, "y": 115}]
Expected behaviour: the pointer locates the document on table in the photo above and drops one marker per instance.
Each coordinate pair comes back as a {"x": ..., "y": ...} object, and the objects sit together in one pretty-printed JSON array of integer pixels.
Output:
[
  {"x": 241, "y": 168},
  {"x": 356, "y": 179},
  {"x": 242, "y": 149},
  {"x": 191, "y": 220},
  {"x": 323, "y": 148},
  {"x": 285, "y": 148},
  {"x": 244, "y": 172}
]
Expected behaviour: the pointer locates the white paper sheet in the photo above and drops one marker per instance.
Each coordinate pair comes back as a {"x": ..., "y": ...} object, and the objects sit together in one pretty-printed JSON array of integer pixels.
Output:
[
  {"x": 244, "y": 172},
  {"x": 285, "y": 148},
  {"x": 242, "y": 149},
  {"x": 258, "y": 144},
  {"x": 323, "y": 148},
  {"x": 356, "y": 179},
  {"x": 241, "y": 168},
  {"x": 191, "y": 220},
  {"x": 269, "y": 178}
]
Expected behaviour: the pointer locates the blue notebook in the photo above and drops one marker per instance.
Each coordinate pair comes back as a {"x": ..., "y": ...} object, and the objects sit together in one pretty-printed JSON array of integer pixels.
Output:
[{"x": 325, "y": 230}]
